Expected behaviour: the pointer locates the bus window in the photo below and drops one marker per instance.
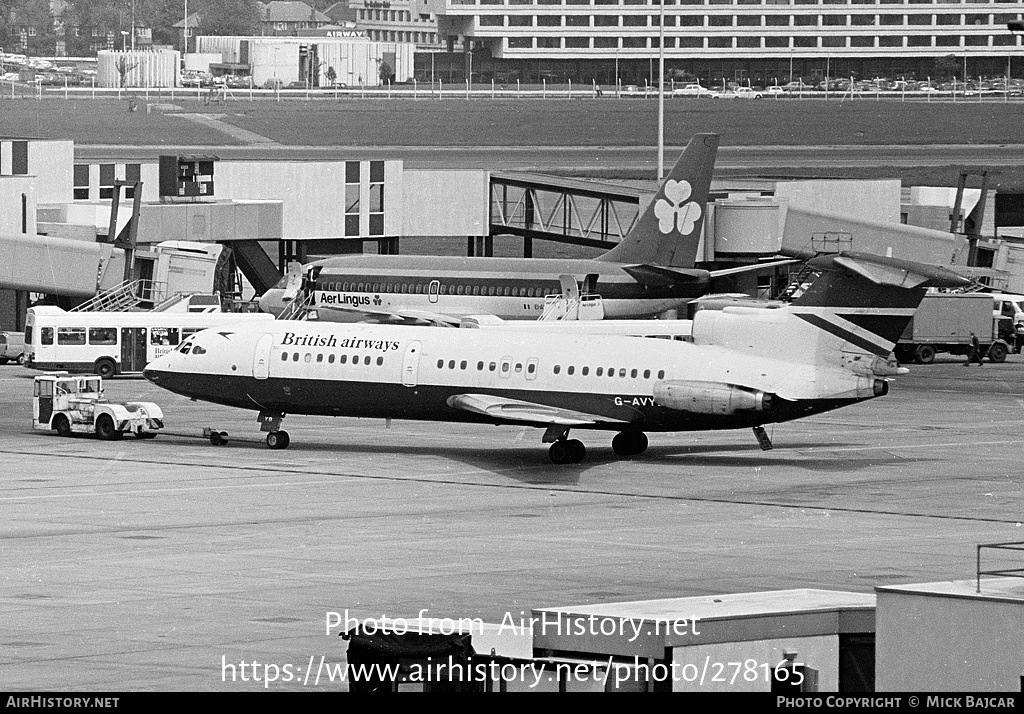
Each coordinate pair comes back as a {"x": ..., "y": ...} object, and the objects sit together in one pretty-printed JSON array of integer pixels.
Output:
[
  {"x": 70, "y": 335},
  {"x": 163, "y": 335},
  {"x": 102, "y": 335},
  {"x": 189, "y": 331},
  {"x": 46, "y": 335}
]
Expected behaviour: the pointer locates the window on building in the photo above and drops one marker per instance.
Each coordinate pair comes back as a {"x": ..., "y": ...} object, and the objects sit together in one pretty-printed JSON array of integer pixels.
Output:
[
  {"x": 577, "y": 43},
  {"x": 976, "y": 40},
  {"x": 890, "y": 19},
  {"x": 548, "y": 43},
  {"x": 719, "y": 43},
  {"x": 491, "y": 20},
  {"x": 919, "y": 20},
  {"x": 720, "y": 20},
  {"x": 691, "y": 20},
  {"x": 520, "y": 43},
  {"x": 577, "y": 21},
  {"x": 81, "y": 188},
  {"x": 948, "y": 19},
  {"x": 803, "y": 42},
  {"x": 947, "y": 40},
  {"x": 634, "y": 21},
  {"x": 691, "y": 42},
  {"x": 748, "y": 20},
  {"x": 833, "y": 20},
  {"x": 520, "y": 20},
  {"x": 919, "y": 41},
  {"x": 748, "y": 42},
  {"x": 549, "y": 20},
  {"x": 776, "y": 20},
  {"x": 606, "y": 21},
  {"x": 833, "y": 41},
  {"x": 776, "y": 42},
  {"x": 805, "y": 20},
  {"x": 634, "y": 43},
  {"x": 862, "y": 20}
]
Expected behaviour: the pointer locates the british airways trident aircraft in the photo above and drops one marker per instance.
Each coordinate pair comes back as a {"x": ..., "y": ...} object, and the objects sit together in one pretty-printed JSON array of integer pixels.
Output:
[{"x": 745, "y": 367}]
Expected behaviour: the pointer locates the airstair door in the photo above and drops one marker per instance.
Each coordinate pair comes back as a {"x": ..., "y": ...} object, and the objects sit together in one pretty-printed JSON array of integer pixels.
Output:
[
  {"x": 411, "y": 364},
  {"x": 432, "y": 290},
  {"x": 261, "y": 358},
  {"x": 570, "y": 288}
]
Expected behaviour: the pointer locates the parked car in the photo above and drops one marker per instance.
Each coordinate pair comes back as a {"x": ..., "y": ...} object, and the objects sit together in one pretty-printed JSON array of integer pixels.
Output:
[
  {"x": 747, "y": 93},
  {"x": 692, "y": 90},
  {"x": 273, "y": 83},
  {"x": 632, "y": 90},
  {"x": 774, "y": 91}
]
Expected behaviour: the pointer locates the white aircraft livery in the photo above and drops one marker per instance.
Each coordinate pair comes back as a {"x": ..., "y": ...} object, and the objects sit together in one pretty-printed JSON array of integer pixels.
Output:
[
  {"x": 745, "y": 367},
  {"x": 649, "y": 272}
]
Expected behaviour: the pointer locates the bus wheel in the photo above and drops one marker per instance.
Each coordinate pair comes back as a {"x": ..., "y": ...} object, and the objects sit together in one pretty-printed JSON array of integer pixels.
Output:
[
  {"x": 105, "y": 368},
  {"x": 62, "y": 426}
]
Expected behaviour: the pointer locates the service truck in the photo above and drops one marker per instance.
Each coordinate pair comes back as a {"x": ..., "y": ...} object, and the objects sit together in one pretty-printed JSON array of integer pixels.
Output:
[
  {"x": 74, "y": 404},
  {"x": 944, "y": 323}
]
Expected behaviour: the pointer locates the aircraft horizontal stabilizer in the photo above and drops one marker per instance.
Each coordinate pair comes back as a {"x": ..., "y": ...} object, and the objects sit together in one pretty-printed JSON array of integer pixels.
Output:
[
  {"x": 515, "y": 410},
  {"x": 753, "y": 267},
  {"x": 896, "y": 272},
  {"x": 661, "y": 277}
]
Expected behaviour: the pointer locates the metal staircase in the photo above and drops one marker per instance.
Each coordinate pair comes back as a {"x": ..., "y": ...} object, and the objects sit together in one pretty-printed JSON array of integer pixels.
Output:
[
  {"x": 129, "y": 295},
  {"x": 298, "y": 308}
]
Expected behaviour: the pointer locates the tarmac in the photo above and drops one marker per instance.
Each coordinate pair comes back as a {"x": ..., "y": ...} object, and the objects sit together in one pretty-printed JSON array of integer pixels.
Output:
[{"x": 154, "y": 565}]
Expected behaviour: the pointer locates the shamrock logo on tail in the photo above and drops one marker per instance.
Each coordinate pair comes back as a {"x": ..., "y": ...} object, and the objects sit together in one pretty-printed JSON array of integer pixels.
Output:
[{"x": 673, "y": 211}]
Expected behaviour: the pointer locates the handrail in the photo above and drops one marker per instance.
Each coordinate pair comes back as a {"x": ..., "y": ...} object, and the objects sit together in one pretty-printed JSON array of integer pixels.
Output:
[{"x": 1008, "y": 572}]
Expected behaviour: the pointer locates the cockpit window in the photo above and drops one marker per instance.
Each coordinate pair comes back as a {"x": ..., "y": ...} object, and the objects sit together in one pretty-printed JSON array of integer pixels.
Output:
[
  {"x": 198, "y": 350},
  {"x": 186, "y": 347}
]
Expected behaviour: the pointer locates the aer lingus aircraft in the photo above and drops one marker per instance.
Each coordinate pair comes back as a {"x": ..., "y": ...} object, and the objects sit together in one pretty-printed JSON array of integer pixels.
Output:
[
  {"x": 649, "y": 272},
  {"x": 744, "y": 368}
]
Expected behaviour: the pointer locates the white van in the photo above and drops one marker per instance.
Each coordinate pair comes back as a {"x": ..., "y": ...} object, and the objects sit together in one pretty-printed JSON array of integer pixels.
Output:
[{"x": 12, "y": 347}]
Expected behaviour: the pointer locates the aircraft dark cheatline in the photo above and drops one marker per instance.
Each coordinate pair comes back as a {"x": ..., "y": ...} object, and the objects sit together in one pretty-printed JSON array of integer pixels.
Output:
[
  {"x": 745, "y": 366},
  {"x": 649, "y": 272}
]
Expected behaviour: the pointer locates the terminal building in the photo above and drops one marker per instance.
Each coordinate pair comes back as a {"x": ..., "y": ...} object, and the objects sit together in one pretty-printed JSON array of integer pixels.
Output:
[{"x": 757, "y": 40}]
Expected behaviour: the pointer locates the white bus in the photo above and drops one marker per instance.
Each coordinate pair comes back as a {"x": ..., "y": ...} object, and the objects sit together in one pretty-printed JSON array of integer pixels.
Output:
[{"x": 109, "y": 343}]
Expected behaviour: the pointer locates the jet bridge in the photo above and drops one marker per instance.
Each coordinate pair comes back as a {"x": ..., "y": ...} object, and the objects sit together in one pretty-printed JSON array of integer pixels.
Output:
[{"x": 565, "y": 210}]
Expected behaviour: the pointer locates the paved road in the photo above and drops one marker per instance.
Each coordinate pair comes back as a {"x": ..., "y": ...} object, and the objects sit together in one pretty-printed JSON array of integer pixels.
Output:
[{"x": 140, "y": 564}]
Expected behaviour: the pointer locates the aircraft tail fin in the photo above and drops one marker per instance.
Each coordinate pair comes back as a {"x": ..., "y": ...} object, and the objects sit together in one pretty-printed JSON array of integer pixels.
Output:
[
  {"x": 669, "y": 230},
  {"x": 867, "y": 300}
]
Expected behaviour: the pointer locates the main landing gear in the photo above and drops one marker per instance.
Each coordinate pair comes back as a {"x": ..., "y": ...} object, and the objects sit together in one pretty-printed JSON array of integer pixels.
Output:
[
  {"x": 270, "y": 422},
  {"x": 571, "y": 451}
]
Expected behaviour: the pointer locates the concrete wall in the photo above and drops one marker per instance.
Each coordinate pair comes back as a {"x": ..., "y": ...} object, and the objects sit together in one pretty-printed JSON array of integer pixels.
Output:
[
  {"x": 17, "y": 205},
  {"x": 446, "y": 203},
  {"x": 877, "y": 201},
  {"x": 946, "y": 639},
  {"x": 820, "y": 653},
  {"x": 149, "y": 68}
]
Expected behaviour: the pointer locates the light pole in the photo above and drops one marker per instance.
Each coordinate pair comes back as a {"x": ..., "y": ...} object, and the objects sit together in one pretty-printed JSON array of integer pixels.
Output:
[
  {"x": 124, "y": 40},
  {"x": 1016, "y": 27},
  {"x": 661, "y": 89}
]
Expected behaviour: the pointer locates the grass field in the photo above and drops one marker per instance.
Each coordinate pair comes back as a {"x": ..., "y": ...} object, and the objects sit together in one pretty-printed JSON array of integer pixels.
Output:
[{"x": 529, "y": 122}]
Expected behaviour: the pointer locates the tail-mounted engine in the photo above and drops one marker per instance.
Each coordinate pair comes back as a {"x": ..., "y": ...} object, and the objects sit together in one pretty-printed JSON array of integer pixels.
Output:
[{"x": 711, "y": 397}]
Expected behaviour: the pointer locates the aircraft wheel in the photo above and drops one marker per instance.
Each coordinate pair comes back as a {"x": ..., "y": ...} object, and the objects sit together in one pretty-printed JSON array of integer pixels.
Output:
[
  {"x": 278, "y": 440},
  {"x": 559, "y": 452},
  {"x": 219, "y": 438},
  {"x": 576, "y": 450},
  {"x": 629, "y": 443},
  {"x": 62, "y": 426}
]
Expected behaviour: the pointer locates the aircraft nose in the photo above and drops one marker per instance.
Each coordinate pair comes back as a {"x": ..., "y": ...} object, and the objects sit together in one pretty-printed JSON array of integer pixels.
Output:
[{"x": 153, "y": 370}]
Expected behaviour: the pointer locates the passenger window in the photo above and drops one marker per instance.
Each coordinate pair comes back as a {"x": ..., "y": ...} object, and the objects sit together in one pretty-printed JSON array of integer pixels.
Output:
[
  {"x": 661, "y": 374},
  {"x": 490, "y": 290},
  {"x": 460, "y": 289},
  {"x": 284, "y": 355},
  {"x": 532, "y": 367},
  {"x": 380, "y": 361},
  {"x": 570, "y": 370},
  {"x": 633, "y": 374},
  {"x": 480, "y": 366},
  {"x": 492, "y": 366},
  {"x": 106, "y": 336},
  {"x": 519, "y": 367},
  {"x": 451, "y": 364},
  {"x": 557, "y": 369},
  {"x": 366, "y": 360},
  {"x": 46, "y": 336},
  {"x": 330, "y": 358},
  {"x": 295, "y": 357},
  {"x": 462, "y": 365},
  {"x": 343, "y": 359},
  {"x": 308, "y": 357},
  {"x": 622, "y": 371},
  {"x": 319, "y": 357},
  {"x": 419, "y": 289},
  {"x": 647, "y": 374},
  {"x": 476, "y": 289},
  {"x": 440, "y": 363},
  {"x": 586, "y": 371},
  {"x": 70, "y": 335},
  {"x": 505, "y": 366},
  {"x": 600, "y": 371}
]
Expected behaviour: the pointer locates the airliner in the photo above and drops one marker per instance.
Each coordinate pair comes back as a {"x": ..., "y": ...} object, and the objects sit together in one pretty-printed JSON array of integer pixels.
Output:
[
  {"x": 745, "y": 367},
  {"x": 648, "y": 272}
]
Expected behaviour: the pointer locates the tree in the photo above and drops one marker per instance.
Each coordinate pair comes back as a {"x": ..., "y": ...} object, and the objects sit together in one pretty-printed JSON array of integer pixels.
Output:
[
  {"x": 123, "y": 67},
  {"x": 41, "y": 39},
  {"x": 387, "y": 75},
  {"x": 948, "y": 66},
  {"x": 331, "y": 75},
  {"x": 228, "y": 17}
]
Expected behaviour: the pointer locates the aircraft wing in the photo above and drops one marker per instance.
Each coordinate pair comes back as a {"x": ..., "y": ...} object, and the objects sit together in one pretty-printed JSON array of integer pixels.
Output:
[
  {"x": 516, "y": 410},
  {"x": 416, "y": 317}
]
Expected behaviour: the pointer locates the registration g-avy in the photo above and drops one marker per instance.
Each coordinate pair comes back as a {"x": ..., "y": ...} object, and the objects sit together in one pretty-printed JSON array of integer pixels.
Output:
[
  {"x": 745, "y": 367},
  {"x": 76, "y": 405},
  {"x": 649, "y": 272}
]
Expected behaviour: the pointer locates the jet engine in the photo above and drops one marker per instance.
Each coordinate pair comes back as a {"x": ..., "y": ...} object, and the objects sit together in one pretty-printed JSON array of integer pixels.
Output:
[{"x": 710, "y": 397}]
